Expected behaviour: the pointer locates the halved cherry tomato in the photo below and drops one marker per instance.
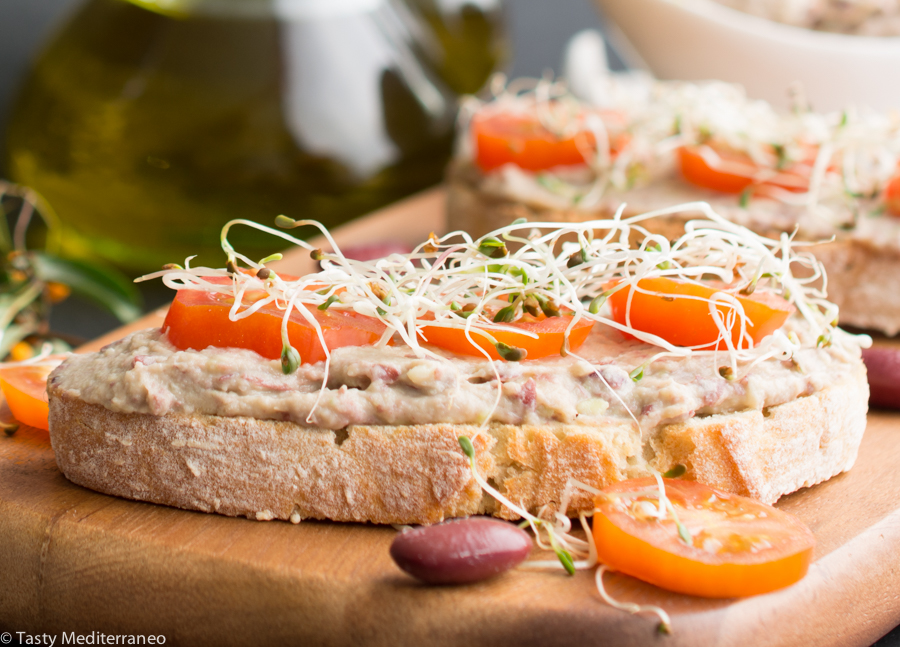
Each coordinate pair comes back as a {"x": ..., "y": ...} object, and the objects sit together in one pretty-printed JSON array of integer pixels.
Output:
[
  {"x": 198, "y": 320},
  {"x": 737, "y": 171},
  {"x": 688, "y": 322},
  {"x": 892, "y": 196},
  {"x": 25, "y": 389},
  {"x": 738, "y": 546},
  {"x": 550, "y": 331},
  {"x": 523, "y": 141}
]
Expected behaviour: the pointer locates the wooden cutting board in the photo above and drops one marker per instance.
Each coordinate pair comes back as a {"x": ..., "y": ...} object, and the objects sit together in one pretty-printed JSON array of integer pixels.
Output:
[{"x": 77, "y": 561}]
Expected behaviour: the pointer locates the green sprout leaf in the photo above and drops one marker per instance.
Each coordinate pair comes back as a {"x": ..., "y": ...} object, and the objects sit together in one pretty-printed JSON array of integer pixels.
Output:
[
  {"x": 511, "y": 353},
  {"x": 565, "y": 557},
  {"x": 637, "y": 373},
  {"x": 327, "y": 304},
  {"x": 675, "y": 472},
  {"x": 532, "y": 306},
  {"x": 285, "y": 223},
  {"x": 505, "y": 315},
  {"x": 577, "y": 258},
  {"x": 492, "y": 247},
  {"x": 597, "y": 303},
  {"x": 467, "y": 447},
  {"x": 270, "y": 258},
  {"x": 290, "y": 359},
  {"x": 781, "y": 155},
  {"x": 549, "y": 307}
]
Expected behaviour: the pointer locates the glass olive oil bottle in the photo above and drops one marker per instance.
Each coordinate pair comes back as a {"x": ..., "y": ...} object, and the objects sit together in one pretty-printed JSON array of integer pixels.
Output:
[{"x": 148, "y": 124}]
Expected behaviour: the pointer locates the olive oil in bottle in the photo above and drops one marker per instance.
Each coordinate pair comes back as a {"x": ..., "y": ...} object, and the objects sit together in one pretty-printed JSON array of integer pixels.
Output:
[{"x": 149, "y": 124}]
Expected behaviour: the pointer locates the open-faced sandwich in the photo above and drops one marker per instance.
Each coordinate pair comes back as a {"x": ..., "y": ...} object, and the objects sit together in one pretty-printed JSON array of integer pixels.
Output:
[
  {"x": 537, "y": 152},
  {"x": 593, "y": 352}
]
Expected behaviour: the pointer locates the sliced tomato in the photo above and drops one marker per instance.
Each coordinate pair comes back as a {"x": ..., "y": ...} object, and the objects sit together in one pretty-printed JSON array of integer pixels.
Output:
[
  {"x": 737, "y": 546},
  {"x": 736, "y": 172},
  {"x": 550, "y": 337},
  {"x": 25, "y": 389},
  {"x": 198, "y": 320},
  {"x": 523, "y": 141},
  {"x": 892, "y": 196},
  {"x": 684, "y": 321}
]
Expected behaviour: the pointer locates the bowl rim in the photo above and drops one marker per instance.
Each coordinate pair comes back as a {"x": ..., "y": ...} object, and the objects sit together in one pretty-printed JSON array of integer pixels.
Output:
[{"x": 750, "y": 24}]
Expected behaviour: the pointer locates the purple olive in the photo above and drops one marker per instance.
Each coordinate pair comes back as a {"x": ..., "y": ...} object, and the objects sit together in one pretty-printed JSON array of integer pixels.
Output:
[
  {"x": 461, "y": 550},
  {"x": 883, "y": 367}
]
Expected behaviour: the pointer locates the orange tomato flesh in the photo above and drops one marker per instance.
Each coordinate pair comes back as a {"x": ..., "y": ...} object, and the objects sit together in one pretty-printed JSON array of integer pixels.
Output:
[
  {"x": 25, "y": 390},
  {"x": 892, "y": 196},
  {"x": 684, "y": 321},
  {"x": 738, "y": 172},
  {"x": 198, "y": 320},
  {"x": 550, "y": 331},
  {"x": 739, "y": 546},
  {"x": 523, "y": 141}
]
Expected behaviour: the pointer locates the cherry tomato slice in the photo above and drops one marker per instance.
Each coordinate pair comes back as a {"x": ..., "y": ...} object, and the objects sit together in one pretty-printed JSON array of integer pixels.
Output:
[
  {"x": 738, "y": 171},
  {"x": 198, "y": 320},
  {"x": 688, "y": 322},
  {"x": 25, "y": 389},
  {"x": 550, "y": 331},
  {"x": 892, "y": 196},
  {"x": 523, "y": 141},
  {"x": 738, "y": 546}
]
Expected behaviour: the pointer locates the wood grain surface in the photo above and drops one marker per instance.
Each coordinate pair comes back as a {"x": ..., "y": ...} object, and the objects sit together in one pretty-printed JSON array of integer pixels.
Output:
[{"x": 75, "y": 560}]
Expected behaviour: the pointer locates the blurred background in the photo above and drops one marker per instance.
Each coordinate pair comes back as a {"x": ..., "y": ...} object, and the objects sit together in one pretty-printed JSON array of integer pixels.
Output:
[
  {"x": 125, "y": 228},
  {"x": 538, "y": 31}
]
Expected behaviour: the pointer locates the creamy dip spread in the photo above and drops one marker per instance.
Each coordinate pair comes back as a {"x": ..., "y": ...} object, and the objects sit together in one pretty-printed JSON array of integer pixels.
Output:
[
  {"x": 144, "y": 373},
  {"x": 859, "y": 17},
  {"x": 866, "y": 222}
]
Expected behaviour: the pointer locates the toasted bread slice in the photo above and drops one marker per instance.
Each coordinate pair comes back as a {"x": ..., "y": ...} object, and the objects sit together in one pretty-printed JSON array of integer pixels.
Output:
[{"x": 266, "y": 469}]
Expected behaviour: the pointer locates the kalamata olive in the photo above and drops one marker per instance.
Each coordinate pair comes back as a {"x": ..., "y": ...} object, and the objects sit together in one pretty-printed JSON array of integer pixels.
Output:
[
  {"x": 883, "y": 366},
  {"x": 461, "y": 550}
]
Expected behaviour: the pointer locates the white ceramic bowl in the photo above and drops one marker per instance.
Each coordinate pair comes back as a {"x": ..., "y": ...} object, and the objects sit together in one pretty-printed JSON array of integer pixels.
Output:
[{"x": 700, "y": 39}]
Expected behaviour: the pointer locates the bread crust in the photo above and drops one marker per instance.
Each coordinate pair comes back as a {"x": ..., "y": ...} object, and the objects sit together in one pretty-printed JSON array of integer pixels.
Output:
[
  {"x": 863, "y": 279},
  {"x": 266, "y": 469}
]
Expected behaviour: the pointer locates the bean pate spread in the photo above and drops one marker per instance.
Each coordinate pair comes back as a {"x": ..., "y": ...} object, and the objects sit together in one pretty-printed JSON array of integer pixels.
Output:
[{"x": 144, "y": 373}]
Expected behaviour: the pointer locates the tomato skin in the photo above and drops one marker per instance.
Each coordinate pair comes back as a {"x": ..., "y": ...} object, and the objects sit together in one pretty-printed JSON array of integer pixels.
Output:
[
  {"x": 25, "y": 389},
  {"x": 688, "y": 322},
  {"x": 198, "y": 320},
  {"x": 892, "y": 196},
  {"x": 521, "y": 140},
  {"x": 740, "y": 547},
  {"x": 696, "y": 171},
  {"x": 551, "y": 331}
]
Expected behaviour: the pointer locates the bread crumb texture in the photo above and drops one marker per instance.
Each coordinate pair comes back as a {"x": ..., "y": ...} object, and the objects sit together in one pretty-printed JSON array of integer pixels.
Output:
[{"x": 265, "y": 469}]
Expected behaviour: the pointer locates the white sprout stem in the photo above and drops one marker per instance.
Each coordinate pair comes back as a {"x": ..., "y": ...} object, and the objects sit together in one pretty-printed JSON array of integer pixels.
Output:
[
  {"x": 407, "y": 296},
  {"x": 630, "y": 607}
]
